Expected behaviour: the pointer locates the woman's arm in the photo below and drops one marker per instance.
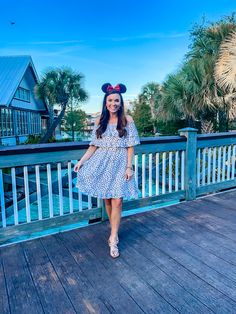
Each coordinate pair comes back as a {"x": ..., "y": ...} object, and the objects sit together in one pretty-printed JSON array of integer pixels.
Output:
[
  {"x": 88, "y": 153},
  {"x": 130, "y": 156}
]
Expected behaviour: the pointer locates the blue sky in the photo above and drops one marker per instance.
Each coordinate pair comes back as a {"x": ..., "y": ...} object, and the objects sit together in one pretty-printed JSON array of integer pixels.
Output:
[{"x": 108, "y": 41}]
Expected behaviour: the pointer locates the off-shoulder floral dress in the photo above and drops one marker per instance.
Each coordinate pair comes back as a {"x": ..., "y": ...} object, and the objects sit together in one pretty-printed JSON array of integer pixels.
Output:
[{"x": 103, "y": 174}]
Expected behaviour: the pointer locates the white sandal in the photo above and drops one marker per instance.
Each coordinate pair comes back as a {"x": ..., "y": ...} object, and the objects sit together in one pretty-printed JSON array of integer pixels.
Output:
[
  {"x": 117, "y": 240},
  {"x": 114, "y": 251}
]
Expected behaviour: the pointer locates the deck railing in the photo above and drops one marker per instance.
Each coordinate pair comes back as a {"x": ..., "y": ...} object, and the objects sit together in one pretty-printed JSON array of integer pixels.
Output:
[{"x": 37, "y": 191}]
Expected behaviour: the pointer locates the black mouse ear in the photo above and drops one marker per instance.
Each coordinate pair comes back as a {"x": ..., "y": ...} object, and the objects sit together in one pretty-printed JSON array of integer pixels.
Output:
[
  {"x": 104, "y": 87},
  {"x": 122, "y": 88}
]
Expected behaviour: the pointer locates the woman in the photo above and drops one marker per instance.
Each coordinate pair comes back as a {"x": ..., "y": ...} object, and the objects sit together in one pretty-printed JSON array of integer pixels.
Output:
[{"x": 105, "y": 170}]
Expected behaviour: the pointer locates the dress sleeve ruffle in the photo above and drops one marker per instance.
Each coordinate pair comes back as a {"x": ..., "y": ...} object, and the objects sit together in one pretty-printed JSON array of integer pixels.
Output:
[
  {"x": 111, "y": 139},
  {"x": 94, "y": 140},
  {"x": 132, "y": 137}
]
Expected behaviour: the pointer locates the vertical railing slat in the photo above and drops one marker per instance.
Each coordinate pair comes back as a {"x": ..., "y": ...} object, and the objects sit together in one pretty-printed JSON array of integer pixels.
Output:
[
  {"x": 233, "y": 162},
  {"x": 3, "y": 208},
  {"x": 182, "y": 169},
  {"x": 163, "y": 172},
  {"x": 214, "y": 166},
  {"x": 150, "y": 175},
  {"x": 89, "y": 201},
  {"x": 14, "y": 192},
  {"x": 157, "y": 174},
  {"x": 39, "y": 199},
  {"x": 50, "y": 199},
  {"x": 136, "y": 169},
  {"x": 170, "y": 172},
  {"x": 228, "y": 162},
  {"x": 198, "y": 166},
  {"x": 224, "y": 163},
  {"x": 204, "y": 166},
  {"x": 176, "y": 170},
  {"x": 60, "y": 190},
  {"x": 219, "y": 164},
  {"x": 80, "y": 201},
  {"x": 70, "y": 187},
  {"x": 209, "y": 166},
  {"x": 143, "y": 174},
  {"x": 27, "y": 201}
]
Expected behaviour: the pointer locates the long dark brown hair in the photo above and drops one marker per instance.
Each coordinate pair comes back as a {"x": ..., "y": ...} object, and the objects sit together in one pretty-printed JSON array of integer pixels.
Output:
[{"x": 105, "y": 116}]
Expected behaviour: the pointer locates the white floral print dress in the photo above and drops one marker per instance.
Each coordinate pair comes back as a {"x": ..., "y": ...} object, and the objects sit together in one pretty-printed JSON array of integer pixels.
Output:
[{"x": 103, "y": 174}]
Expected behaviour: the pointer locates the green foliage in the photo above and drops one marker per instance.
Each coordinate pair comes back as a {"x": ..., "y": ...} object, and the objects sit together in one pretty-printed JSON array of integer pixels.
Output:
[
  {"x": 142, "y": 117},
  {"x": 74, "y": 120},
  {"x": 32, "y": 139},
  {"x": 170, "y": 127},
  {"x": 192, "y": 93}
]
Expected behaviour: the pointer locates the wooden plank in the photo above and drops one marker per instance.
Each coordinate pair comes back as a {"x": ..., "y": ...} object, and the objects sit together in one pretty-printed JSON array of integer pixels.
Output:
[
  {"x": 220, "y": 282},
  {"x": 137, "y": 278},
  {"x": 198, "y": 234},
  {"x": 82, "y": 294},
  {"x": 216, "y": 225},
  {"x": 220, "y": 265},
  {"x": 213, "y": 211},
  {"x": 4, "y": 303},
  {"x": 139, "y": 250},
  {"x": 98, "y": 275},
  {"x": 22, "y": 293},
  {"x": 52, "y": 296}
]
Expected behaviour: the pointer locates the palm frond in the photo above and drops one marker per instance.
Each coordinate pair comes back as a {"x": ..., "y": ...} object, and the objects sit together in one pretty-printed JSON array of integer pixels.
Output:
[{"x": 225, "y": 69}]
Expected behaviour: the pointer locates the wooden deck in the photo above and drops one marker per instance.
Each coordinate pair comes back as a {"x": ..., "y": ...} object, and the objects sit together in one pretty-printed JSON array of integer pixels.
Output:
[{"x": 178, "y": 259}]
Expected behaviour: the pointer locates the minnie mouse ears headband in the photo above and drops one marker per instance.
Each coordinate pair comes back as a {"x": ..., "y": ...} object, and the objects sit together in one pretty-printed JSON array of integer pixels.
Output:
[{"x": 107, "y": 88}]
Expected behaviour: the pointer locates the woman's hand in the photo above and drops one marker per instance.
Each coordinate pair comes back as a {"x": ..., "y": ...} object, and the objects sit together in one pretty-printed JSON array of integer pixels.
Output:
[
  {"x": 128, "y": 173},
  {"x": 77, "y": 166}
]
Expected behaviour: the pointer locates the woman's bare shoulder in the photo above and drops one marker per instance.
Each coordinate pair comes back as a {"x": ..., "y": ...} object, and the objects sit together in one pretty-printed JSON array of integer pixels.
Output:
[
  {"x": 97, "y": 120},
  {"x": 129, "y": 118}
]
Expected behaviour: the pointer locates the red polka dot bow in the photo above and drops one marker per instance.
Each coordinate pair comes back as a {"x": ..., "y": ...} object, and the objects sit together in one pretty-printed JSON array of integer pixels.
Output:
[{"x": 110, "y": 88}]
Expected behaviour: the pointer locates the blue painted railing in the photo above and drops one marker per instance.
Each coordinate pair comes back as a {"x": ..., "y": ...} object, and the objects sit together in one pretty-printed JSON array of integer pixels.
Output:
[{"x": 36, "y": 181}]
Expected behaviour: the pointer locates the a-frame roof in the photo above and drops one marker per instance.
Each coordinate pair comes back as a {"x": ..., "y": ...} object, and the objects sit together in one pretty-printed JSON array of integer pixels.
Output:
[{"x": 12, "y": 70}]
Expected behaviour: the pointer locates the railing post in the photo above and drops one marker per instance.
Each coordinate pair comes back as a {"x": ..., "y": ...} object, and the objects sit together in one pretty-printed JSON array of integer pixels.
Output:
[
  {"x": 190, "y": 171},
  {"x": 104, "y": 212}
]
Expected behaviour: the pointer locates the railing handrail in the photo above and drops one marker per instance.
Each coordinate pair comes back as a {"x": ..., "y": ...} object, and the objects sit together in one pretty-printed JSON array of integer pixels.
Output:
[{"x": 65, "y": 146}]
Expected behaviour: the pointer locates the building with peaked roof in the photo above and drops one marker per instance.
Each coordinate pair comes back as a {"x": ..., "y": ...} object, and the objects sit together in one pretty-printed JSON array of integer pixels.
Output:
[{"x": 21, "y": 113}]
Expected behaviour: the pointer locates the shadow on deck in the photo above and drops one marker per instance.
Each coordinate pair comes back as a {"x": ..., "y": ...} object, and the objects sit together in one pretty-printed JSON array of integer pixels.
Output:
[{"x": 178, "y": 259}]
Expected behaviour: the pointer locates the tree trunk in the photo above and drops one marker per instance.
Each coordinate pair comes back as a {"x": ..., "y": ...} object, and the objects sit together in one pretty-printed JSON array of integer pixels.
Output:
[
  {"x": 73, "y": 133},
  {"x": 224, "y": 118},
  {"x": 52, "y": 128},
  {"x": 190, "y": 122},
  {"x": 153, "y": 116}
]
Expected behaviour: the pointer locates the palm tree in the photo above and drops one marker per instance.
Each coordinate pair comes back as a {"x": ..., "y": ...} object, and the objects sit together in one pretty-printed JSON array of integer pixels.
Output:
[
  {"x": 225, "y": 73},
  {"x": 59, "y": 86},
  {"x": 192, "y": 93},
  {"x": 151, "y": 95},
  {"x": 225, "y": 70},
  {"x": 206, "y": 45},
  {"x": 186, "y": 94}
]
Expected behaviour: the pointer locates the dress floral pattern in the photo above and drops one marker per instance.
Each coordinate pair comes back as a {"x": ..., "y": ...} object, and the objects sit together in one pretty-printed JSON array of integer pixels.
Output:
[{"x": 103, "y": 174}]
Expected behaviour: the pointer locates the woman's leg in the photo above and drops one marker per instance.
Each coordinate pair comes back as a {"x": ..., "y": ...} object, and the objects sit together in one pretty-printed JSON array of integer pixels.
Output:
[
  {"x": 108, "y": 207},
  {"x": 115, "y": 217}
]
